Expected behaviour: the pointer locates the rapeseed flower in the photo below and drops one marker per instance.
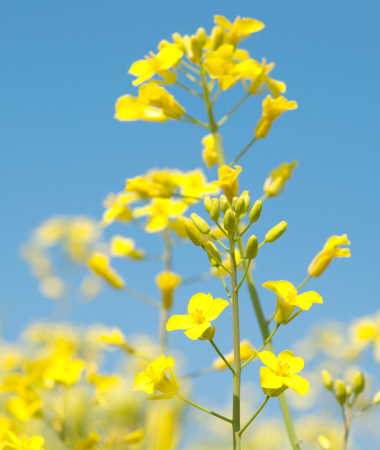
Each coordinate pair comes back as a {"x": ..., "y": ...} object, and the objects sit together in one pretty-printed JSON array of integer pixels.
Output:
[
  {"x": 330, "y": 251},
  {"x": 272, "y": 109},
  {"x": 280, "y": 373},
  {"x": 160, "y": 211},
  {"x": 288, "y": 298},
  {"x": 158, "y": 377},
  {"x": 167, "y": 282},
  {"x": 228, "y": 180},
  {"x": 121, "y": 246},
  {"x": 239, "y": 29},
  {"x": 202, "y": 310},
  {"x": 118, "y": 208},
  {"x": 23, "y": 443},
  {"x": 210, "y": 153},
  {"x": 277, "y": 179},
  {"x": 246, "y": 352},
  {"x": 100, "y": 265}
]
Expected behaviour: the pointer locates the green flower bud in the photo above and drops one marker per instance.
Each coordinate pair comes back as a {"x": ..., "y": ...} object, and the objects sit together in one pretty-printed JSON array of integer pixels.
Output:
[
  {"x": 358, "y": 383},
  {"x": 247, "y": 200},
  {"x": 215, "y": 210},
  {"x": 224, "y": 203},
  {"x": 327, "y": 380},
  {"x": 212, "y": 251},
  {"x": 200, "y": 223},
  {"x": 240, "y": 207},
  {"x": 274, "y": 233},
  {"x": 255, "y": 212},
  {"x": 193, "y": 233},
  {"x": 252, "y": 247},
  {"x": 229, "y": 221},
  {"x": 340, "y": 390},
  {"x": 207, "y": 202}
]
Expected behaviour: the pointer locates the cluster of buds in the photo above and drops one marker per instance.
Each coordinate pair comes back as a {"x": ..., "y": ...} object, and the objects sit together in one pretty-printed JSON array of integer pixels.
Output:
[{"x": 345, "y": 393}]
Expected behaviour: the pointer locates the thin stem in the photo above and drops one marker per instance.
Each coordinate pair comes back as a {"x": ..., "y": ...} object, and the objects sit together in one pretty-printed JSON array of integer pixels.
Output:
[
  {"x": 301, "y": 285},
  {"x": 233, "y": 109},
  {"x": 265, "y": 343},
  {"x": 141, "y": 297},
  {"x": 187, "y": 89},
  {"x": 258, "y": 411},
  {"x": 244, "y": 151},
  {"x": 190, "y": 119},
  {"x": 265, "y": 333},
  {"x": 237, "y": 361},
  {"x": 201, "y": 408},
  {"x": 190, "y": 67},
  {"x": 246, "y": 270},
  {"x": 221, "y": 355},
  {"x": 347, "y": 426}
]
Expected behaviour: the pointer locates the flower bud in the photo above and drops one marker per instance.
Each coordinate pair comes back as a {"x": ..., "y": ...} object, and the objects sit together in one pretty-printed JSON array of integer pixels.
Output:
[
  {"x": 358, "y": 383},
  {"x": 340, "y": 391},
  {"x": 247, "y": 200},
  {"x": 215, "y": 210},
  {"x": 200, "y": 223},
  {"x": 274, "y": 233},
  {"x": 239, "y": 207},
  {"x": 207, "y": 203},
  {"x": 255, "y": 212},
  {"x": 376, "y": 398},
  {"x": 193, "y": 233},
  {"x": 216, "y": 38},
  {"x": 213, "y": 251},
  {"x": 224, "y": 204},
  {"x": 252, "y": 247},
  {"x": 229, "y": 221},
  {"x": 327, "y": 380},
  {"x": 208, "y": 334}
]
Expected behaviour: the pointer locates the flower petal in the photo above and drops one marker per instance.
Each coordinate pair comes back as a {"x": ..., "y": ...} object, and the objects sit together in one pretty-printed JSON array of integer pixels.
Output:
[
  {"x": 200, "y": 302},
  {"x": 305, "y": 300},
  {"x": 282, "y": 288},
  {"x": 180, "y": 322},
  {"x": 299, "y": 384},
  {"x": 295, "y": 363},
  {"x": 269, "y": 380},
  {"x": 269, "y": 359},
  {"x": 197, "y": 331},
  {"x": 217, "y": 307}
]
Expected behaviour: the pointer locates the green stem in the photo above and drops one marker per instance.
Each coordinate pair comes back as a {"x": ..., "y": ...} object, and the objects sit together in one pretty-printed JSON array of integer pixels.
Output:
[
  {"x": 258, "y": 411},
  {"x": 167, "y": 258},
  {"x": 237, "y": 361},
  {"x": 233, "y": 109},
  {"x": 201, "y": 408},
  {"x": 244, "y": 151},
  {"x": 301, "y": 285},
  {"x": 221, "y": 355},
  {"x": 141, "y": 297},
  {"x": 265, "y": 333}
]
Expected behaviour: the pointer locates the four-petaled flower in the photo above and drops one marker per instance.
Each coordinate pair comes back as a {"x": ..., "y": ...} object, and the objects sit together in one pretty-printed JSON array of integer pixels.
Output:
[
  {"x": 280, "y": 373},
  {"x": 330, "y": 250},
  {"x": 202, "y": 309}
]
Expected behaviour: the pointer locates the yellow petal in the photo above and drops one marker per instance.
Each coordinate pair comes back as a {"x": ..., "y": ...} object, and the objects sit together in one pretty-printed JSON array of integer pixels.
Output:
[
  {"x": 283, "y": 289},
  {"x": 298, "y": 383},
  {"x": 295, "y": 363},
  {"x": 180, "y": 322},
  {"x": 269, "y": 380},
  {"x": 269, "y": 359},
  {"x": 200, "y": 302},
  {"x": 306, "y": 299},
  {"x": 197, "y": 331}
]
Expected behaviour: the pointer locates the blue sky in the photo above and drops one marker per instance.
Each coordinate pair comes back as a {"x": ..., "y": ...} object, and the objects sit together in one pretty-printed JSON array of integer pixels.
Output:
[{"x": 64, "y": 64}]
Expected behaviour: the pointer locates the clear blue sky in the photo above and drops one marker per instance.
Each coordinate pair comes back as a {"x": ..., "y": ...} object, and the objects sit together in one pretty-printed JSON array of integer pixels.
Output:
[{"x": 64, "y": 64}]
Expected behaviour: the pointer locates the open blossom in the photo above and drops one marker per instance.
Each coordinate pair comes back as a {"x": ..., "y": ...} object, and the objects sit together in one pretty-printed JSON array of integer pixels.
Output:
[
  {"x": 15, "y": 442},
  {"x": 331, "y": 250},
  {"x": 100, "y": 265},
  {"x": 202, "y": 310},
  {"x": 118, "y": 208},
  {"x": 228, "y": 180},
  {"x": 272, "y": 109},
  {"x": 239, "y": 29},
  {"x": 167, "y": 282},
  {"x": 210, "y": 152},
  {"x": 122, "y": 246},
  {"x": 246, "y": 352},
  {"x": 158, "y": 377},
  {"x": 288, "y": 298},
  {"x": 277, "y": 179},
  {"x": 280, "y": 372},
  {"x": 167, "y": 57}
]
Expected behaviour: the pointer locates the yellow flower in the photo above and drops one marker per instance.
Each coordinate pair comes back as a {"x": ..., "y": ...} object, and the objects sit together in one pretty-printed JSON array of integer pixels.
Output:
[
  {"x": 24, "y": 443},
  {"x": 246, "y": 352},
  {"x": 134, "y": 437},
  {"x": 330, "y": 250},
  {"x": 117, "y": 208},
  {"x": 160, "y": 211},
  {"x": 144, "y": 69},
  {"x": 210, "y": 152},
  {"x": 99, "y": 264},
  {"x": 240, "y": 29},
  {"x": 275, "y": 183},
  {"x": 288, "y": 298},
  {"x": 272, "y": 109},
  {"x": 194, "y": 186},
  {"x": 221, "y": 63},
  {"x": 88, "y": 443},
  {"x": 25, "y": 405},
  {"x": 65, "y": 371},
  {"x": 202, "y": 309},
  {"x": 228, "y": 180},
  {"x": 366, "y": 330},
  {"x": 158, "y": 377},
  {"x": 121, "y": 246},
  {"x": 280, "y": 373},
  {"x": 154, "y": 104},
  {"x": 167, "y": 282},
  {"x": 258, "y": 74},
  {"x": 51, "y": 231},
  {"x": 156, "y": 183}
]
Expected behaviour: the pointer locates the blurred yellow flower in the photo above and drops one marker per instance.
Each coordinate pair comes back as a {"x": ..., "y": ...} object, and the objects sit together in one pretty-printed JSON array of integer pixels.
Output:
[
  {"x": 99, "y": 264},
  {"x": 117, "y": 208},
  {"x": 280, "y": 373},
  {"x": 167, "y": 282},
  {"x": 24, "y": 443},
  {"x": 239, "y": 29},
  {"x": 330, "y": 250},
  {"x": 228, "y": 180},
  {"x": 121, "y": 246},
  {"x": 202, "y": 310},
  {"x": 277, "y": 179},
  {"x": 246, "y": 352},
  {"x": 210, "y": 152},
  {"x": 158, "y": 377},
  {"x": 160, "y": 211}
]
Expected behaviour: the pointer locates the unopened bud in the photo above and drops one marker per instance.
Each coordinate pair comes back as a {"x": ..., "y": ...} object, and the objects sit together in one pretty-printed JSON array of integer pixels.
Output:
[
  {"x": 239, "y": 207},
  {"x": 213, "y": 251},
  {"x": 215, "y": 210},
  {"x": 216, "y": 38},
  {"x": 340, "y": 391},
  {"x": 207, "y": 203},
  {"x": 200, "y": 223},
  {"x": 229, "y": 221},
  {"x": 358, "y": 383},
  {"x": 278, "y": 230},
  {"x": 376, "y": 399},
  {"x": 327, "y": 380},
  {"x": 247, "y": 200},
  {"x": 193, "y": 233},
  {"x": 224, "y": 203},
  {"x": 252, "y": 247},
  {"x": 255, "y": 212}
]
